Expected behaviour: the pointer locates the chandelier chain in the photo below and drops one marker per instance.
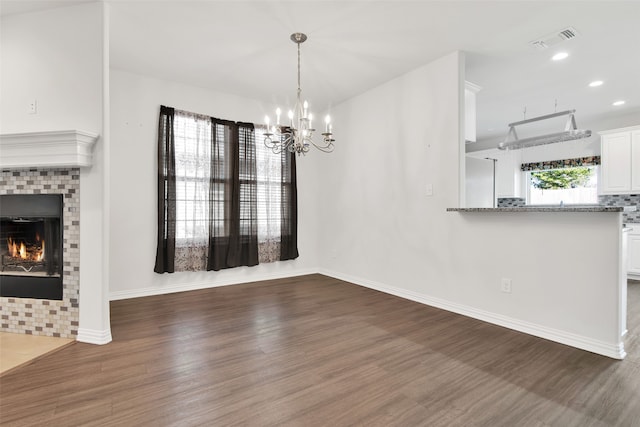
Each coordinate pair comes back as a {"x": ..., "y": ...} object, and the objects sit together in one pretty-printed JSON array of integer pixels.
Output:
[{"x": 299, "y": 90}]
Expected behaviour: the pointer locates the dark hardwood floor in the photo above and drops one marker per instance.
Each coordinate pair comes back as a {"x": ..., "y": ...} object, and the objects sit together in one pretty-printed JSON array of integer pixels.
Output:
[{"x": 313, "y": 351}]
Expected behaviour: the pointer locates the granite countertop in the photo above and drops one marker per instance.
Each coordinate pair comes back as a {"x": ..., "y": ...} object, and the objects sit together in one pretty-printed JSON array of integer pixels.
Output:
[{"x": 543, "y": 209}]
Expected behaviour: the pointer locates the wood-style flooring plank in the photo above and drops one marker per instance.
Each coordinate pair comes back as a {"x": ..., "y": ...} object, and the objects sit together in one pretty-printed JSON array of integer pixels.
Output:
[{"x": 313, "y": 350}]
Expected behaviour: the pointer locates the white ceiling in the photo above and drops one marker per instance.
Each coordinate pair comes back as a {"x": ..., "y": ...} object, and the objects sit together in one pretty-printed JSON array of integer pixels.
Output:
[
  {"x": 515, "y": 75},
  {"x": 243, "y": 47},
  {"x": 9, "y": 7}
]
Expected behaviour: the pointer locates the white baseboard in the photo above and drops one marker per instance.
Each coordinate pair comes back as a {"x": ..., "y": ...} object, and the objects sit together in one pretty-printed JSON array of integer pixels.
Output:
[
  {"x": 146, "y": 292},
  {"x": 615, "y": 351},
  {"x": 92, "y": 336}
]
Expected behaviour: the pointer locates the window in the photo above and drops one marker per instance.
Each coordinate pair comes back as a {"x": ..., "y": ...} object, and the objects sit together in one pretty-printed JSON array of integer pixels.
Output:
[
  {"x": 192, "y": 165},
  {"x": 269, "y": 172},
  {"x": 224, "y": 199},
  {"x": 574, "y": 185},
  {"x": 567, "y": 181}
]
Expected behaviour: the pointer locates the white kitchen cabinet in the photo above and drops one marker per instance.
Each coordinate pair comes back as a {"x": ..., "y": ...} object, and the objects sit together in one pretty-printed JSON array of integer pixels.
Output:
[
  {"x": 633, "y": 251},
  {"x": 635, "y": 161},
  {"x": 620, "y": 161}
]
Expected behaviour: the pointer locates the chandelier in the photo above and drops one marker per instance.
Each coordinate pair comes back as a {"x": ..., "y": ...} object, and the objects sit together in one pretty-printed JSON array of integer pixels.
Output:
[{"x": 297, "y": 137}]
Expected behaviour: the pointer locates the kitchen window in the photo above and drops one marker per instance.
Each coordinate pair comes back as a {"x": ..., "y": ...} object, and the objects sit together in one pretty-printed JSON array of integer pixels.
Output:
[{"x": 562, "y": 182}]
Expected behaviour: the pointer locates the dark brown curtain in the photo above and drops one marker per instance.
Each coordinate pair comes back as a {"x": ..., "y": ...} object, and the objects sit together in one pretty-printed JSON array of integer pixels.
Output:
[
  {"x": 233, "y": 230},
  {"x": 165, "y": 253},
  {"x": 288, "y": 208}
]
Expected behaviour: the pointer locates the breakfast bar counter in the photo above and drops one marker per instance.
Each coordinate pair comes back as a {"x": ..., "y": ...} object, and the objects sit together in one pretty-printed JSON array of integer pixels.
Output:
[{"x": 544, "y": 209}]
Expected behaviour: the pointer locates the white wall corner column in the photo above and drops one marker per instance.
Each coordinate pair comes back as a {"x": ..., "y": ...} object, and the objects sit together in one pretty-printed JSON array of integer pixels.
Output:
[
  {"x": 95, "y": 325},
  {"x": 463, "y": 99}
]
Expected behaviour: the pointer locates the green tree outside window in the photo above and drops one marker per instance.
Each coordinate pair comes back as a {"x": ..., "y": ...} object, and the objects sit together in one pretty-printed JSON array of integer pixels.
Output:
[{"x": 561, "y": 178}]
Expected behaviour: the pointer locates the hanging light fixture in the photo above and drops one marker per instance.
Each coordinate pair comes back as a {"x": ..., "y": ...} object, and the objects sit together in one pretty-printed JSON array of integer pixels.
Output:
[
  {"x": 570, "y": 133},
  {"x": 297, "y": 136}
]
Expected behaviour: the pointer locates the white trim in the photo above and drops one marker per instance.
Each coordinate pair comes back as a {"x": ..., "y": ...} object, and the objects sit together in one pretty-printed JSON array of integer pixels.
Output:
[
  {"x": 92, "y": 336},
  {"x": 156, "y": 290},
  {"x": 595, "y": 346},
  {"x": 626, "y": 129},
  {"x": 65, "y": 148}
]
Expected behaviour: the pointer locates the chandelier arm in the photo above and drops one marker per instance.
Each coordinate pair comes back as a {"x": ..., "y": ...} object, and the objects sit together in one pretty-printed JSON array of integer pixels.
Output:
[{"x": 327, "y": 147}]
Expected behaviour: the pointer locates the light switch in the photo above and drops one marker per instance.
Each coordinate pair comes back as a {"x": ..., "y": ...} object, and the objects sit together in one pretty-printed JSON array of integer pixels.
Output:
[{"x": 429, "y": 189}]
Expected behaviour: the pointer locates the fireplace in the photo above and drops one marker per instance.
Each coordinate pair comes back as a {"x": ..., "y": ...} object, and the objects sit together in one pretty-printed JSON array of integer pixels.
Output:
[
  {"x": 31, "y": 246},
  {"x": 48, "y": 164}
]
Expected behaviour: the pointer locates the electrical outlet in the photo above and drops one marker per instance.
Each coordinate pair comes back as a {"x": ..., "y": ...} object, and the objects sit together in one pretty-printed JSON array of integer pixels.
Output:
[
  {"x": 505, "y": 285},
  {"x": 429, "y": 189},
  {"x": 32, "y": 108}
]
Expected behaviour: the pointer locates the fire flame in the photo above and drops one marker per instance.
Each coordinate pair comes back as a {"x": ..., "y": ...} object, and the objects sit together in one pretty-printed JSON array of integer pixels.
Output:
[{"x": 20, "y": 250}]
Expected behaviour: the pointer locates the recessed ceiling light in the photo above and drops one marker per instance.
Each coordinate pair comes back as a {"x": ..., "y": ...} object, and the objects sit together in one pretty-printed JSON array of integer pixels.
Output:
[
  {"x": 596, "y": 83},
  {"x": 559, "y": 56},
  {"x": 618, "y": 103}
]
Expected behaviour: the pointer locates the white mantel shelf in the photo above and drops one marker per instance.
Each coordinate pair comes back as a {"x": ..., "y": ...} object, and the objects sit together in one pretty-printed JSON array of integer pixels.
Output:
[{"x": 54, "y": 149}]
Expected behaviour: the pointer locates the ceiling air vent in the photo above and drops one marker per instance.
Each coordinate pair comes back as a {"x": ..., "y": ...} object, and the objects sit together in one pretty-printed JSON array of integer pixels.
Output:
[
  {"x": 555, "y": 38},
  {"x": 568, "y": 33}
]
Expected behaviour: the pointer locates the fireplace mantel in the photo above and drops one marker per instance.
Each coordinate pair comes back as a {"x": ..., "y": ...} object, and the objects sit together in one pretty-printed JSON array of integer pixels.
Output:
[{"x": 54, "y": 149}]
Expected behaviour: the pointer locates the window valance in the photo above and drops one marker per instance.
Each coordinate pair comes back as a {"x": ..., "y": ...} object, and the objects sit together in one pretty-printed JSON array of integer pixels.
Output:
[{"x": 559, "y": 164}]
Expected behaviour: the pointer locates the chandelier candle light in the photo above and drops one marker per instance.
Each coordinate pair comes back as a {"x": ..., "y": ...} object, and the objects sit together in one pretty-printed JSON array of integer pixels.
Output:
[{"x": 297, "y": 137}]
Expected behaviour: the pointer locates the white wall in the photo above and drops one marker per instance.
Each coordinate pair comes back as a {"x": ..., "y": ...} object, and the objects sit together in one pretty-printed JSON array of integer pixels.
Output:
[
  {"x": 57, "y": 57},
  {"x": 394, "y": 140},
  {"x": 381, "y": 230},
  {"x": 45, "y": 59},
  {"x": 135, "y": 105}
]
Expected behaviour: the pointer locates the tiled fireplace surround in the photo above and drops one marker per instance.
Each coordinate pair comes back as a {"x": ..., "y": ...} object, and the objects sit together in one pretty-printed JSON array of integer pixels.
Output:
[{"x": 41, "y": 316}]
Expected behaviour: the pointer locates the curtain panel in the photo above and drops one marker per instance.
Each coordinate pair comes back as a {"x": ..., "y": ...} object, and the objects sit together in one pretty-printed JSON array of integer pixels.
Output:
[
  {"x": 224, "y": 200},
  {"x": 166, "y": 247},
  {"x": 288, "y": 207},
  {"x": 233, "y": 232}
]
